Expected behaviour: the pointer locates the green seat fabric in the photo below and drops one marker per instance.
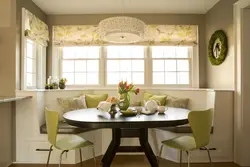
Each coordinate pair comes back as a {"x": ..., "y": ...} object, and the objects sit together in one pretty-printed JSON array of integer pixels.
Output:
[
  {"x": 200, "y": 123},
  {"x": 67, "y": 143},
  {"x": 92, "y": 100},
  {"x": 72, "y": 142},
  {"x": 185, "y": 143}
]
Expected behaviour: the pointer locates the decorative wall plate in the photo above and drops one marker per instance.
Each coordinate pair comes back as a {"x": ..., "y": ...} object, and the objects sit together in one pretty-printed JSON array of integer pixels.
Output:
[{"x": 217, "y": 49}]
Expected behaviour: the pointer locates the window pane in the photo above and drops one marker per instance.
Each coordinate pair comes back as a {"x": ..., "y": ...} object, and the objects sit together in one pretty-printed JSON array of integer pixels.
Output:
[
  {"x": 30, "y": 51},
  {"x": 112, "y": 65},
  {"x": 80, "y": 66},
  {"x": 183, "y": 65},
  {"x": 157, "y": 52},
  {"x": 182, "y": 52},
  {"x": 92, "y": 78},
  {"x": 113, "y": 78},
  {"x": 80, "y": 78},
  {"x": 68, "y": 66},
  {"x": 137, "y": 65},
  {"x": 31, "y": 65},
  {"x": 69, "y": 52},
  {"x": 31, "y": 79},
  {"x": 125, "y": 65},
  {"x": 125, "y": 52},
  {"x": 158, "y": 77},
  {"x": 158, "y": 65},
  {"x": 170, "y": 65},
  {"x": 94, "y": 52},
  {"x": 169, "y": 52},
  {"x": 170, "y": 78},
  {"x": 125, "y": 76},
  {"x": 92, "y": 65},
  {"x": 70, "y": 78},
  {"x": 183, "y": 78},
  {"x": 138, "y": 77}
]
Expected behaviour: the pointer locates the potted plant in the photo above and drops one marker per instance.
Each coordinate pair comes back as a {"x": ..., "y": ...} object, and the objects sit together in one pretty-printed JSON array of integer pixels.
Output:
[
  {"x": 124, "y": 89},
  {"x": 62, "y": 83}
]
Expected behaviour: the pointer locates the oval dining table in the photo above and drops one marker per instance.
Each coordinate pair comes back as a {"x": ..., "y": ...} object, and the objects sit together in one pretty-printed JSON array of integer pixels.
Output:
[{"x": 127, "y": 127}]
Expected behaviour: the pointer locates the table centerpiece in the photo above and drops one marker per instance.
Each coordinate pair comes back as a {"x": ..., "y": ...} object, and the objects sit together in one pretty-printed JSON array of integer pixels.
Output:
[{"x": 124, "y": 90}]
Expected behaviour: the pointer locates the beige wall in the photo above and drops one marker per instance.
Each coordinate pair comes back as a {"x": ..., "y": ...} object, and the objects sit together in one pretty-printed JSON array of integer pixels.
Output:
[
  {"x": 148, "y": 19},
  {"x": 29, "y": 5},
  {"x": 221, "y": 17},
  {"x": 7, "y": 51}
]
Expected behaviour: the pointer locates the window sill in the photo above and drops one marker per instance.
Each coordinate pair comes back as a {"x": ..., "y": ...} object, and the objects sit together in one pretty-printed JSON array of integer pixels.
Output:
[{"x": 114, "y": 88}]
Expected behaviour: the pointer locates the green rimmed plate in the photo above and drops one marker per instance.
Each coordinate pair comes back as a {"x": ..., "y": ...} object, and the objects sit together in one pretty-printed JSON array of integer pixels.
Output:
[{"x": 128, "y": 113}]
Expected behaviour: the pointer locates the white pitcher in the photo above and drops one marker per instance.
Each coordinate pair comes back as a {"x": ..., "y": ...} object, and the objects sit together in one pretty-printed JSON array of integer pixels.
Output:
[{"x": 151, "y": 105}]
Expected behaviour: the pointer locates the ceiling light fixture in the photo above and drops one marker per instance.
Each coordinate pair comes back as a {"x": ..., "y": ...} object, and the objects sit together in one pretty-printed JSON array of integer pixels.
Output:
[{"x": 122, "y": 29}]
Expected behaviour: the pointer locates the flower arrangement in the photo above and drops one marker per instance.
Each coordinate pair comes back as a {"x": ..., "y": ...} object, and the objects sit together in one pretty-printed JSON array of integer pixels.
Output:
[{"x": 124, "y": 87}]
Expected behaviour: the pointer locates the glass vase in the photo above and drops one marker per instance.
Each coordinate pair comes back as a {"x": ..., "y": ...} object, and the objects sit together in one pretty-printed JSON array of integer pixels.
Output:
[{"x": 124, "y": 101}]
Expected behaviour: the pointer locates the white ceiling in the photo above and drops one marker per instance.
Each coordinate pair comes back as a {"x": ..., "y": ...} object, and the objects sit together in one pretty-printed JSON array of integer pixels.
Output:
[{"x": 125, "y": 6}]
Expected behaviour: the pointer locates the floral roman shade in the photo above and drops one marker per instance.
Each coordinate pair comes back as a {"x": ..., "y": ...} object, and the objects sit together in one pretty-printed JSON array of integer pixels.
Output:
[
  {"x": 155, "y": 35},
  {"x": 35, "y": 29}
]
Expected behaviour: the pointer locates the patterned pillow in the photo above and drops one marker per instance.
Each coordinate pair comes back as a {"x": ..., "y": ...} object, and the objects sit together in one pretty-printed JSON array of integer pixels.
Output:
[
  {"x": 177, "y": 102},
  {"x": 72, "y": 103}
]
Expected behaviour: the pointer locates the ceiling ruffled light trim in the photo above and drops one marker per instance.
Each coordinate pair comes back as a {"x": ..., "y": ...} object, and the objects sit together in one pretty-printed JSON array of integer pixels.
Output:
[
  {"x": 73, "y": 35},
  {"x": 35, "y": 29}
]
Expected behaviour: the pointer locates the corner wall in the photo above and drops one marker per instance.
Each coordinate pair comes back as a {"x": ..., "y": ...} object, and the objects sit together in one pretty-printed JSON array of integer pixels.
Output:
[{"x": 221, "y": 17}]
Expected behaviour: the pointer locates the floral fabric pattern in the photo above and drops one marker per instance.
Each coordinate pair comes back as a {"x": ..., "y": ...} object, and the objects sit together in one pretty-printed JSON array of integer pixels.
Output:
[
  {"x": 155, "y": 35},
  {"x": 35, "y": 29}
]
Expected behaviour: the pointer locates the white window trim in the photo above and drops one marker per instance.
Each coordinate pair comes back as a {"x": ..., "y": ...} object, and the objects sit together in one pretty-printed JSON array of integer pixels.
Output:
[
  {"x": 194, "y": 70},
  {"x": 59, "y": 60},
  {"x": 40, "y": 61},
  {"x": 105, "y": 69}
]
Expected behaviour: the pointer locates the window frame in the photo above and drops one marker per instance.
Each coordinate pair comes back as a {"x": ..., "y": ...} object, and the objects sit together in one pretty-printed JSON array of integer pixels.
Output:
[
  {"x": 148, "y": 69},
  {"x": 60, "y": 57},
  {"x": 105, "y": 59},
  {"x": 40, "y": 61},
  {"x": 190, "y": 59}
]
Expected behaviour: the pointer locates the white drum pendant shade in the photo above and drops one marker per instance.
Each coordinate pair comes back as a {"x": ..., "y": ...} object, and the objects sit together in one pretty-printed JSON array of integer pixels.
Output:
[{"x": 121, "y": 29}]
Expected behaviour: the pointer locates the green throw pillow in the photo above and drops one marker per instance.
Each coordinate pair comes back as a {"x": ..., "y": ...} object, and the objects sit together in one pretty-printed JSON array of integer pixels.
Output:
[
  {"x": 177, "y": 102},
  {"x": 149, "y": 96},
  {"x": 92, "y": 101},
  {"x": 160, "y": 98}
]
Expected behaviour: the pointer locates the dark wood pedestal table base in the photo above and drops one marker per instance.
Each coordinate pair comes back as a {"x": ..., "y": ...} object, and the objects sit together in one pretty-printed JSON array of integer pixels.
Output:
[{"x": 127, "y": 127}]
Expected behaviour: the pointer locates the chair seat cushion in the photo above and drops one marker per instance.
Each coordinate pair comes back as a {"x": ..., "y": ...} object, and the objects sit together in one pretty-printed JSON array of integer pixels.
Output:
[
  {"x": 72, "y": 142},
  {"x": 64, "y": 128},
  {"x": 185, "y": 143}
]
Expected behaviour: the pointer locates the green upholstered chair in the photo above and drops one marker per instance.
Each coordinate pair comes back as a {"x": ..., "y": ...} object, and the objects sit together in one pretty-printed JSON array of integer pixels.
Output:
[
  {"x": 200, "y": 122},
  {"x": 71, "y": 142}
]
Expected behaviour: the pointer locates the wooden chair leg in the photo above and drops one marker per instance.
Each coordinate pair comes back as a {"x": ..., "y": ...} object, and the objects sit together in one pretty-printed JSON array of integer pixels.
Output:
[
  {"x": 61, "y": 156},
  {"x": 80, "y": 151},
  {"x": 180, "y": 158}
]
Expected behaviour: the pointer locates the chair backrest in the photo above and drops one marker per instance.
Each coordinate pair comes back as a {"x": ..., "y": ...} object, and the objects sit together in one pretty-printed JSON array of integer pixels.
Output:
[
  {"x": 52, "y": 125},
  {"x": 201, "y": 122}
]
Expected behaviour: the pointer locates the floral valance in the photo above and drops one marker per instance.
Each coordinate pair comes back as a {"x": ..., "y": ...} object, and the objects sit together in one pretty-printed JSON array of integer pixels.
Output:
[
  {"x": 155, "y": 35},
  {"x": 35, "y": 29}
]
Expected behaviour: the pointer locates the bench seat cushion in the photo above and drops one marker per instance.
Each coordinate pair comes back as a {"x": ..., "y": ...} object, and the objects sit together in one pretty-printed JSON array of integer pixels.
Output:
[
  {"x": 180, "y": 129},
  {"x": 64, "y": 128}
]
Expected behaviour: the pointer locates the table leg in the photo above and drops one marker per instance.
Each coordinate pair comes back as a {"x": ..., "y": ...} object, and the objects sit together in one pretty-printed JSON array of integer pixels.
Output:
[
  {"x": 147, "y": 148},
  {"x": 112, "y": 149}
]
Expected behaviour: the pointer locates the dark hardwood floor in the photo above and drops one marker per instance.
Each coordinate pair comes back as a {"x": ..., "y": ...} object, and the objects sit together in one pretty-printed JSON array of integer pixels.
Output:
[{"x": 130, "y": 161}]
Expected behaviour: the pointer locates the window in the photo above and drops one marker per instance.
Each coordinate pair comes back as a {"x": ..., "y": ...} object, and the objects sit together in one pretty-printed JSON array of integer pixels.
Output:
[
  {"x": 125, "y": 63},
  {"x": 30, "y": 64},
  {"x": 165, "y": 66},
  {"x": 80, "y": 65},
  {"x": 171, "y": 65}
]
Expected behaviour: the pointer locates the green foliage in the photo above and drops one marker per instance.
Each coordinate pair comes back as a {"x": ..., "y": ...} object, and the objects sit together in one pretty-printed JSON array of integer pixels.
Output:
[{"x": 220, "y": 34}]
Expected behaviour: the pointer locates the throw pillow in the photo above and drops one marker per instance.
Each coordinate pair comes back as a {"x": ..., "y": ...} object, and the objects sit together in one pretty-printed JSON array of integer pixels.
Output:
[
  {"x": 149, "y": 96},
  {"x": 92, "y": 100},
  {"x": 72, "y": 103},
  {"x": 177, "y": 102}
]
